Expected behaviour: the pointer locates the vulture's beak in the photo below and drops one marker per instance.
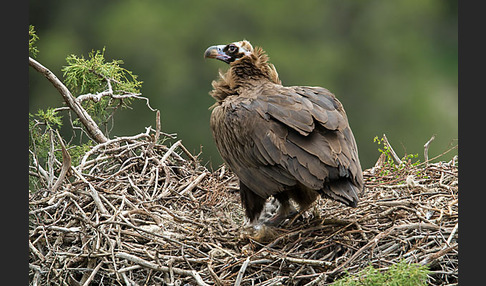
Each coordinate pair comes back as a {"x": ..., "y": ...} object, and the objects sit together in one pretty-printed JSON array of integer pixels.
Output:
[{"x": 216, "y": 52}]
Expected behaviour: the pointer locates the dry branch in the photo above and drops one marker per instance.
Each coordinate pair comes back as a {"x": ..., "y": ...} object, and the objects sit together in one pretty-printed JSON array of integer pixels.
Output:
[
  {"x": 109, "y": 93},
  {"x": 165, "y": 269},
  {"x": 394, "y": 155},
  {"x": 426, "y": 149},
  {"x": 66, "y": 163},
  {"x": 91, "y": 126},
  {"x": 242, "y": 271}
]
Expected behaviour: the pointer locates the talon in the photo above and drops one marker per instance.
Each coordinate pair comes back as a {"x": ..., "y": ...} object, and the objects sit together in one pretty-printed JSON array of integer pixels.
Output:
[{"x": 280, "y": 217}]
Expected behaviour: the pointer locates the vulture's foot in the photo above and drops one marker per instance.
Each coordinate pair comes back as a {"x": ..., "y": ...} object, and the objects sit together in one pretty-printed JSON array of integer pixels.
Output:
[
  {"x": 285, "y": 211},
  {"x": 279, "y": 218}
]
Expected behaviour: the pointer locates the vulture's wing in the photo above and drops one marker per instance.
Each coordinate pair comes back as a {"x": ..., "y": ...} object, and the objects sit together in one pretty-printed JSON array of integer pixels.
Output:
[{"x": 284, "y": 136}]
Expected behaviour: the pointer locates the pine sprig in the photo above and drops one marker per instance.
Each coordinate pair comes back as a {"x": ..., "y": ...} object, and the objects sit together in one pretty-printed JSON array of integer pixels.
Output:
[
  {"x": 91, "y": 75},
  {"x": 102, "y": 82},
  {"x": 32, "y": 39}
]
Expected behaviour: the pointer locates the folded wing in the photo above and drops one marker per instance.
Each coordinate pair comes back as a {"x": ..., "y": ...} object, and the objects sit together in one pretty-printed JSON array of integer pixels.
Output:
[{"x": 287, "y": 136}]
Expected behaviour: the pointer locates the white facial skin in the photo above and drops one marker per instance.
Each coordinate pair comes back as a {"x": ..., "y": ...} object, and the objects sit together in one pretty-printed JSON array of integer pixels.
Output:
[{"x": 229, "y": 53}]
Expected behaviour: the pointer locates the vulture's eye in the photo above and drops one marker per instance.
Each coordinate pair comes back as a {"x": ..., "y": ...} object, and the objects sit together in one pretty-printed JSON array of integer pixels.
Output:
[{"x": 232, "y": 48}]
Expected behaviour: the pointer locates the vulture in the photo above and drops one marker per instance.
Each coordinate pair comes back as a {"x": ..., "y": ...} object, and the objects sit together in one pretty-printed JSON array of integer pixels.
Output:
[{"x": 289, "y": 142}]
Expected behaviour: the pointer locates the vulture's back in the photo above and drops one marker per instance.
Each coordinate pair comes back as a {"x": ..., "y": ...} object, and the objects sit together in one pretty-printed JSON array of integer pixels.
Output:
[{"x": 276, "y": 138}]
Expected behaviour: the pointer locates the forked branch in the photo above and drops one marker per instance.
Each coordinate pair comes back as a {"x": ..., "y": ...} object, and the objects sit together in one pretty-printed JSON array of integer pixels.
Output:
[{"x": 90, "y": 125}]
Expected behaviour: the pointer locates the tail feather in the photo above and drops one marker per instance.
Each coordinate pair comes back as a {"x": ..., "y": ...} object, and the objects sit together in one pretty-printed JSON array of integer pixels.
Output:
[{"x": 342, "y": 191}]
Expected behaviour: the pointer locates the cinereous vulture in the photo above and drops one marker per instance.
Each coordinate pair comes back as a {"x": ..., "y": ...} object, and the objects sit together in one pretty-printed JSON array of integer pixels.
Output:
[{"x": 289, "y": 142}]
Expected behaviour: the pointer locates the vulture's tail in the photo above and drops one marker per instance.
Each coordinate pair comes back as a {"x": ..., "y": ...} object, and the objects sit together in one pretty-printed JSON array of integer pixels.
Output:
[{"x": 342, "y": 191}]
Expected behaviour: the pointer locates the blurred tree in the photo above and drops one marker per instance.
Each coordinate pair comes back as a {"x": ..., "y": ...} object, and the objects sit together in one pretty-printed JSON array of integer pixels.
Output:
[{"x": 393, "y": 64}]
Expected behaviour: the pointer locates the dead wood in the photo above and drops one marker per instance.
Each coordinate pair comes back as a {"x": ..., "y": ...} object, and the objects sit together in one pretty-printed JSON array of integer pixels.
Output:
[
  {"x": 139, "y": 212},
  {"x": 91, "y": 126}
]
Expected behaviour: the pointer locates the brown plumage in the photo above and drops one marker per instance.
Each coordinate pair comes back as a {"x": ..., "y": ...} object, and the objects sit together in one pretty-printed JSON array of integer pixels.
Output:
[{"x": 288, "y": 142}]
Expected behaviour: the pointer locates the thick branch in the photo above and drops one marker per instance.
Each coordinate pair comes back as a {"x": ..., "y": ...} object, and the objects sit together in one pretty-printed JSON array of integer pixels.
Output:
[{"x": 91, "y": 126}]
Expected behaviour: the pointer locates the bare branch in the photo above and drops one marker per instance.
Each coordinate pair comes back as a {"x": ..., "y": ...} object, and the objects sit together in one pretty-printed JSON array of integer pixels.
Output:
[
  {"x": 108, "y": 143},
  {"x": 193, "y": 184},
  {"x": 91, "y": 126},
  {"x": 92, "y": 275},
  {"x": 241, "y": 273},
  {"x": 42, "y": 173},
  {"x": 110, "y": 93},
  {"x": 426, "y": 150},
  {"x": 66, "y": 163},
  {"x": 165, "y": 269},
  {"x": 394, "y": 155},
  {"x": 93, "y": 192}
]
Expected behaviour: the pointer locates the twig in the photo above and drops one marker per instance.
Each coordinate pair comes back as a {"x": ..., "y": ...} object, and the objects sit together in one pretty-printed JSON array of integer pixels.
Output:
[
  {"x": 42, "y": 173},
  {"x": 66, "y": 163},
  {"x": 395, "y": 157},
  {"x": 169, "y": 152},
  {"x": 93, "y": 274},
  {"x": 108, "y": 143},
  {"x": 426, "y": 150},
  {"x": 93, "y": 192},
  {"x": 371, "y": 243},
  {"x": 451, "y": 236},
  {"x": 308, "y": 261},
  {"x": 193, "y": 184},
  {"x": 109, "y": 92},
  {"x": 418, "y": 225},
  {"x": 241, "y": 273},
  {"x": 213, "y": 274},
  {"x": 36, "y": 251},
  {"x": 440, "y": 155},
  {"x": 316, "y": 281},
  {"x": 164, "y": 269},
  {"x": 434, "y": 256},
  {"x": 157, "y": 129}
]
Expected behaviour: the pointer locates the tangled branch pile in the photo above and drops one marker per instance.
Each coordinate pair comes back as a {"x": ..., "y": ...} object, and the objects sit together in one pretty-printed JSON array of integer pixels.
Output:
[{"x": 138, "y": 212}]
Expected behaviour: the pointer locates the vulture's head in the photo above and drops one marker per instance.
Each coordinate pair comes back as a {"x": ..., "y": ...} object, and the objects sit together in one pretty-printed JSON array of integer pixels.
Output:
[
  {"x": 230, "y": 52},
  {"x": 246, "y": 63}
]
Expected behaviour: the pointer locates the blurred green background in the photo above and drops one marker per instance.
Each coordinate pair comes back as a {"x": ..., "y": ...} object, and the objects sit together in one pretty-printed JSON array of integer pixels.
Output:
[{"x": 393, "y": 64}]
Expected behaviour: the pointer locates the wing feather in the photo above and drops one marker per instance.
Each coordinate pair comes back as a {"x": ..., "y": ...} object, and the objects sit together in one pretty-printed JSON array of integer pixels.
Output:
[
  {"x": 284, "y": 136},
  {"x": 292, "y": 116}
]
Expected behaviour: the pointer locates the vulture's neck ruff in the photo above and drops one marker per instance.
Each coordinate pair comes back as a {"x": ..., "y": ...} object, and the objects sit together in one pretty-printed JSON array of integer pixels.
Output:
[{"x": 249, "y": 67}]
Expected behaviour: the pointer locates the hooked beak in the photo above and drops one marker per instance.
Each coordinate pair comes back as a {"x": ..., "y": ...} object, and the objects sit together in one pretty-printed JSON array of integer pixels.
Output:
[{"x": 216, "y": 52}]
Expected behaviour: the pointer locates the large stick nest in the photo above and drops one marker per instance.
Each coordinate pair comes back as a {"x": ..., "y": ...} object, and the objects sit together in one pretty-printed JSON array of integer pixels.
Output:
[{"x": 138, "y": 212}]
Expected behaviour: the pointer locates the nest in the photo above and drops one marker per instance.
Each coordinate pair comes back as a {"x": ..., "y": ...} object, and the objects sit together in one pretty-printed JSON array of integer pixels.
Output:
[{"x": 143, "y": 211}]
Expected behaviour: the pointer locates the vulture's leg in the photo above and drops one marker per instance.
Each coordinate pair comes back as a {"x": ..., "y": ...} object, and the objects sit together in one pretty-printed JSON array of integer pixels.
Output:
[
  {"x": 252, "y": 203},
  {"x": 304, "y": 197},
  {"x": 285, "y": 210}
]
